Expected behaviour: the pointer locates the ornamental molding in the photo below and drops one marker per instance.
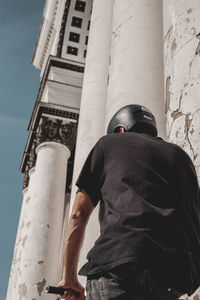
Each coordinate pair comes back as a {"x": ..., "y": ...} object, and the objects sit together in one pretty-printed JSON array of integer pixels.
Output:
[
  {"x": 52, "y": 110},
  {"x": 45, "y": 36},
  {"x": 51, "y": 124},
  {"x": 56, "y": 130}
]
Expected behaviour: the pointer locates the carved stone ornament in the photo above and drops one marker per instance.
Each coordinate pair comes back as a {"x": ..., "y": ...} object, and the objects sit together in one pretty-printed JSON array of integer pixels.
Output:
[
  {"x": 50, "y": 130},
  {"x": 26, "y": 176},
  {"x": 30, "y": 164},
  {"x": 55, "y": 130},
  {"x": 32, "y": 156}
]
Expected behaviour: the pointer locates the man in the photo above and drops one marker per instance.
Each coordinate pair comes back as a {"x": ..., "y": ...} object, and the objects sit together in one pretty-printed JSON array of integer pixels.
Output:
[{"x": 149, "y": 244}]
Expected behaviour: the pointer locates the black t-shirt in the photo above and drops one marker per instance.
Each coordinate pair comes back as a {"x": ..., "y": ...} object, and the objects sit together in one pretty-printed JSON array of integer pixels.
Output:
[{"x": 149, "y": 206}]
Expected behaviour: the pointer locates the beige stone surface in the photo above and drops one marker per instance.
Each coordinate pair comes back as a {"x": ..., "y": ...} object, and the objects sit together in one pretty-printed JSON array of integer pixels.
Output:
[{"x": 182, "y": 79}]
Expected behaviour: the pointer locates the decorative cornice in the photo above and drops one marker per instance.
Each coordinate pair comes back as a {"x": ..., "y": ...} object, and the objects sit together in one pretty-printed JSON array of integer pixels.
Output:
[
  {"x": 45, "y": 33},
  {"x": 51, "y": 123},
  {"x": 62, "y": 29},
  {"x": 52, "y": 110},
  {"x": 68, "y": 66},
  {"x": 48, "y": 38}
]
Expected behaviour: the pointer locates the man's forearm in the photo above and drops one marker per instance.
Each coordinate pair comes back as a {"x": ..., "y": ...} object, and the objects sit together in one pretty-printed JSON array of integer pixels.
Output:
[
  {"x": 81, "y": 211},
  {"x": 73, "y": 244}
]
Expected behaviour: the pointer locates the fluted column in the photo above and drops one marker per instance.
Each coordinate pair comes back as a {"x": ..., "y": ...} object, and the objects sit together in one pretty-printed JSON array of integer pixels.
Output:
[
  {"x": 93, "y": 101},
  {"x": 136, "y": 60},
  {"x": 182, "y": 84}
]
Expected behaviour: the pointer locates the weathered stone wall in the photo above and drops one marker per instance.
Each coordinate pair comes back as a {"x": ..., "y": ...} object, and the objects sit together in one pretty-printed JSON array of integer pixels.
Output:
[
  {"x": 182, "y": 78},
  {"x": 182, "y": 75}
]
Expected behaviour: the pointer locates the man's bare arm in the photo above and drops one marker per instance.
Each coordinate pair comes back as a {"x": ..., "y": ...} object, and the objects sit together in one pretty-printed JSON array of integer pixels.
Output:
[{"x": 81, "y": 212}]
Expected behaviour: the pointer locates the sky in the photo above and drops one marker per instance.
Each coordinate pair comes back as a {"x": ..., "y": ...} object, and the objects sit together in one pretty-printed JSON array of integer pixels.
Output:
[{"x": 19, "y": 83}]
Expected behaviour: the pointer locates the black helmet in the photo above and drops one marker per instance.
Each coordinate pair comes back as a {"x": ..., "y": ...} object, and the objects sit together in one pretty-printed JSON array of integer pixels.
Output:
[{"x": 133, "y": 117}]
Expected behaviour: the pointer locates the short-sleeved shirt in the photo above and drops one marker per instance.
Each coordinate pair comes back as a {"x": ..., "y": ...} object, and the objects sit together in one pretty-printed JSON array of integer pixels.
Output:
[{"x": 149, "y": 206}]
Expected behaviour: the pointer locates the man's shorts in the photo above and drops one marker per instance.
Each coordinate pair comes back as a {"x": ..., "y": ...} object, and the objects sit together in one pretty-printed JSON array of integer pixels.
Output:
[{"x": 126, "y": 283}]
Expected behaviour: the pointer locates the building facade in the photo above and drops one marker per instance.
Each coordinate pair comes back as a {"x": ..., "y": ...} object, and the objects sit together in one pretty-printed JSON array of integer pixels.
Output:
[{"x": 95, "y": 57}]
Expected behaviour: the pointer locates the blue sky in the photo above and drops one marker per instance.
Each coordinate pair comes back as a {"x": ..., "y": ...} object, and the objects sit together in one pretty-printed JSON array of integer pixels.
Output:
[{"x": 19, "y": 83}]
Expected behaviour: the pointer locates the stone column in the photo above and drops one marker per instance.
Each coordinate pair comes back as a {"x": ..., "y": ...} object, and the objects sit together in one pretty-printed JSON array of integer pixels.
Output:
[
  {"x": 40, "y": 256},
  {"x": 28, "y": 184},
  {"x": 42, "y": 231},
  {"x": 136, "y": 60},
  {"x": 15, "y": 267},
  {"x": 93, "y": 101},
  {"x": 182, "y": 82},
  {"x": 94, "y": 93}
]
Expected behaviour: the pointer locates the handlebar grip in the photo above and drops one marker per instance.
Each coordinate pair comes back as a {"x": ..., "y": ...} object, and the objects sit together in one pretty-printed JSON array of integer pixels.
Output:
[
  {"x": 55, "y": 290},
  {"x": 58, "y": 290}
]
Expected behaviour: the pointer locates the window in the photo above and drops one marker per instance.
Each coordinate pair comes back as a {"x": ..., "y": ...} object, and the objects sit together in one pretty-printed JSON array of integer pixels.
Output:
[
  {"x": 72, "y": 50},
  {"x": 86, "y": 40},
  {"x": 74, "y": 37},
  {"x": 80, "y": 6},
  {"x": 85, "y": 53},
  {"x": 88, "y": 27},
  {"x": 77, "y": 22}
]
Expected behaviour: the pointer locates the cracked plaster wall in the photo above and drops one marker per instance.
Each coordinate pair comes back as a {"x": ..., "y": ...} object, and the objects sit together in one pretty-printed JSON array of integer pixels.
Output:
[
  {"x": 15, "y": 268},
  {"x": 182, "y": 75}
]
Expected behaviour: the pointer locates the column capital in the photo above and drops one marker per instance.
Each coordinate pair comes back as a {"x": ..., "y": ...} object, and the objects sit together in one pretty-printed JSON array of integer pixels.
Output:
[
  {"x": 51, "y": 124},
  {"x": 56, "y": 130}
]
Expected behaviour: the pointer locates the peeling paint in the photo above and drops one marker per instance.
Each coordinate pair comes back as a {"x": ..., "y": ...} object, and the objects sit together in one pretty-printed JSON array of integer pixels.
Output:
[
  {"x": 192, "y": 131},
  {"x": 198, "y": 49},
  {"x": 24, "y": 241},
  {"x": 188, "y": 121},
  {"x": 176, "y": 114},
  {"x": 189, "y": 10},
  {"x": 167, "y": 100},
  {"x": 40, "y": 286},
  {"x": 194, "y": 30},
  {"x": 110, "y": 60},
  {"x": 15, "y": 257},
  {"x": 198, "y": 36},
  {"x": 187, "y": 20},
  {"x": 108, "y": 79},
  {"x": 22, "y": 290},
  {"x": 28, "y": 224},
  {"x": 28, "y": 199},
  {"x": 174, "y": 46},
  {"x": 22, "y": 226}
]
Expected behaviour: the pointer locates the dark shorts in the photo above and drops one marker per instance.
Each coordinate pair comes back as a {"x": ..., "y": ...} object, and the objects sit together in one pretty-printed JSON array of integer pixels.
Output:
[{"x": 125, "y": 283}]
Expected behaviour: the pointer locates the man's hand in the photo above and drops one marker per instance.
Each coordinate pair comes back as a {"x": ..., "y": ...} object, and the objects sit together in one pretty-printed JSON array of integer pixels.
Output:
[{"x": 76, "y": 291}]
